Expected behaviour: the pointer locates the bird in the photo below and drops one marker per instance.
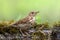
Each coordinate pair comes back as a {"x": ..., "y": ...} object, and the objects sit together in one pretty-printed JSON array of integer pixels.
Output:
[
  {"x": 29, "y": 19},
  {"x": 26, "y": 23}
]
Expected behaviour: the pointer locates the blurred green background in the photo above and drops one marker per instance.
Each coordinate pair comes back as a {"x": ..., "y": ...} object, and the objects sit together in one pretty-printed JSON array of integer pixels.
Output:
[{"x": 17, "y": 9}]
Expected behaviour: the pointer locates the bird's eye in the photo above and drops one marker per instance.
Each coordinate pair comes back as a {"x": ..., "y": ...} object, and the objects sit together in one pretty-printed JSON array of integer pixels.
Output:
[{"x": 32, "y": 12}]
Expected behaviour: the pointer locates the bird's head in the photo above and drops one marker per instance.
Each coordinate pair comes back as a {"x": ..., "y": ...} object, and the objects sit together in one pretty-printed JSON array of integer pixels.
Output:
[{"x": 33, "y": 13}]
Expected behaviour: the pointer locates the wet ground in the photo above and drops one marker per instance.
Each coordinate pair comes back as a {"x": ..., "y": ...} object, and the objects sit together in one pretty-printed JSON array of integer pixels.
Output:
[
  {"x": 32, "y": 34},
  {"x": 26, "y": 33}
]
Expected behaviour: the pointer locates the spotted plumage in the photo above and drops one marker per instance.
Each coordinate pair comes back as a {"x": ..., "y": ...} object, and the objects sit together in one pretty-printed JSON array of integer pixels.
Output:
[{"x": 29, "y": 19}]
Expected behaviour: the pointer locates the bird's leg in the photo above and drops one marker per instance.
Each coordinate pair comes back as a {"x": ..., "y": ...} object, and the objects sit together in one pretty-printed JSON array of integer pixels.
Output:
[
  {"x": 27, "y": 34},
  {"x": 42, "y": 32},
  {"x": 22, "y": 32}
]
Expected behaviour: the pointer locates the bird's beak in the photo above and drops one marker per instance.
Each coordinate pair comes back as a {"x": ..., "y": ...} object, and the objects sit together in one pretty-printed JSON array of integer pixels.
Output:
[{"x": 37, "y": 12}]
